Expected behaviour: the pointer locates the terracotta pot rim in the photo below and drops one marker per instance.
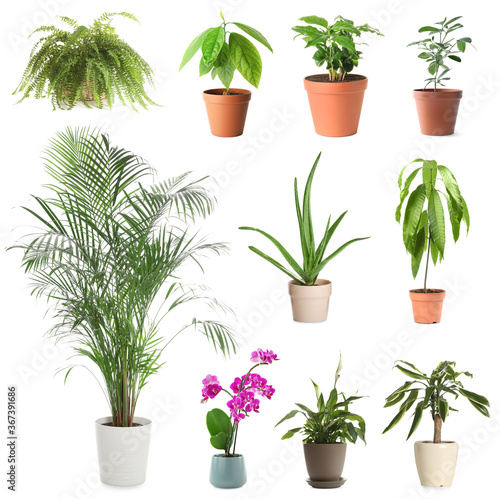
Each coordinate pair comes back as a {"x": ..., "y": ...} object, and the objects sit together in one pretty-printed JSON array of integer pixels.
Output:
[
  {"x": 338, "y": 87},
  {"x": 218, "y": 92},
  {"x": 365, "y": 78},
  {"x": 322, "y": 282},
  {"x": 439, "y": 94}
]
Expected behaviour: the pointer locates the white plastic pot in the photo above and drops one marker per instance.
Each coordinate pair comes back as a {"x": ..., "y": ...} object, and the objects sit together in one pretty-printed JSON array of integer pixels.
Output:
[
  {"x": 436, "y": 463},
  {"x": 123, "y": 451}
]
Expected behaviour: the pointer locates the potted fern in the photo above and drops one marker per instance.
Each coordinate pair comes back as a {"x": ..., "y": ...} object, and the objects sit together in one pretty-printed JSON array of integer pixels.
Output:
[
  {"x": 437, "y": 108},
  {"x": 437, "y": 459},
  {"x": 309, "y": 295},
  {"x": 89, "y": 64},
  {"x": 424, "y": 228},
  {"x": 326, "y": 433},
  {"x": 335, "y": 98},
  {"x": 105, "y": 250},
  {"x": 222, "y": 53}
]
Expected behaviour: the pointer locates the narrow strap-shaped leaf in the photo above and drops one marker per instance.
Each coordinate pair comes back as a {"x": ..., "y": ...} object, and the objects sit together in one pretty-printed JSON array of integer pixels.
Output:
[
  {"x": 413, "y": 213},
  {"x": 417, "y": 417},
  {"x": 320, "y": 252},
  {"x": 276, "y": 264},
  {"x": 257, "y": 35},
  {"x": 404, "y": 193},
  {"x": 436, "y": 221},
  {"x": 400, "y": 177},
  {"x": 453, "y": 190}
]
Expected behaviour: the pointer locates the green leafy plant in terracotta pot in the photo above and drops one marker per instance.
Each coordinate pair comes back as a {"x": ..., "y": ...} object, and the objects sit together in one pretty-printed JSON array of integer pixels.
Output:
[
  {"x": 222, "y": 53},
  {"x": 436, "y": 460},
  {"x": 326, "y": 433},
  {"x": 335, "y": 98},
  {"x": 109, "y": 255},
  {"x": 437, "y": 108},
  {"x": 424, "y": 227},
  {"x": 309, "y": 295},
  {"x": 90, "y": 64}
]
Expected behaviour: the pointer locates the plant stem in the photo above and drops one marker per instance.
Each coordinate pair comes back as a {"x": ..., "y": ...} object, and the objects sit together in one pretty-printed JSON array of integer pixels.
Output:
[
  {"x": 427, "y": 263},
  {"x": 438, "y": 423}
]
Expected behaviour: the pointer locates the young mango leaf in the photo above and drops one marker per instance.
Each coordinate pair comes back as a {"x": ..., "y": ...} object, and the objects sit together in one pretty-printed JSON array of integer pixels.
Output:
[
  {"x": 257, "y": 35},
  {"x": 194, "y": 46},
  {"x": 436, "y": 221},
  {"x": 223, "y": 58},
  {"x": 246, "y": 58},
  {"x": 226, "y": 73},
  {"x": 204, "y": 69},
  {"x": 212, "y": 44},
  {"x": 418, "y": 252},
  {"x": 413, "y": 213}
]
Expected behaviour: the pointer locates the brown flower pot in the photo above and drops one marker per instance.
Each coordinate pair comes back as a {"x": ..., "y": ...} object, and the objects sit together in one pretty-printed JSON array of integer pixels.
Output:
[
  {"x": 324, "y": 463},
  {"x": 427, "y": 307},
  {"x": 336, "y": 106},
  {"x": 310, "y": 303},
  {"x": 436, "y": 463},
  {"x": 227, "y": 113},
  {"x": 437, "y": 110}
]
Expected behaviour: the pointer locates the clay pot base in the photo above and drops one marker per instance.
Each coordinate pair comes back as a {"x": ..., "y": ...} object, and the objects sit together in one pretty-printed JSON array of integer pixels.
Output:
[
  {"x": 317, "y": 484},
  {"x": 437, "y": 111},
  {"x": 427, "y": 307}
]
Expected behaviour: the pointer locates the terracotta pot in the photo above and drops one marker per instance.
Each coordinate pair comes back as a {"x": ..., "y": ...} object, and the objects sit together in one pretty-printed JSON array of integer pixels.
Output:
[
  {"x": 336, "y": 106},
  {"x": 310, "y": 303},
  {"x": 123, "y": 451},
  {"x": 437, "y": 111},
  {"x": 325, "y": 462},
  {"x": 436, "y": 463},
  {"x": 427, "y": 307},
  {"x": 227, "y": 113},
  {"x": 228, "y": 472}
]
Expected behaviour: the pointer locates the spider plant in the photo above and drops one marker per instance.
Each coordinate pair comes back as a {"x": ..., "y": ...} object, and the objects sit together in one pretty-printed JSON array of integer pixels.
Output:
[
  {"x": 106, "y": 248},
  {"x": 314, "y": 260}
]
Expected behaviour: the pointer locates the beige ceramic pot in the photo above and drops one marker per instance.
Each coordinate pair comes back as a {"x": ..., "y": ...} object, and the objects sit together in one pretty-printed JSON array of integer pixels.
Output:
[
  {"x": 310, "y": 303},
  {"x": 436, "y": 463}
]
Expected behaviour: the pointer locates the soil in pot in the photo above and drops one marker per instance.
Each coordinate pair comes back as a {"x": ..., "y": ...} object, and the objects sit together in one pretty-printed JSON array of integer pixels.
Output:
[
  {"x": 427, "y": 305},
  {"x": 436, "y": 463},
  {"x": 310, "y": 303},
  {"x": 437, "y": 110},
  {"x": 227, "y": 112},
  {"x": 336, "y": 105}
]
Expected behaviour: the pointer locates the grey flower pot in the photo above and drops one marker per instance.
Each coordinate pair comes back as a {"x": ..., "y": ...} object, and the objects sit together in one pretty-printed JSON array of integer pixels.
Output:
[{"x": 228, "y": 472}]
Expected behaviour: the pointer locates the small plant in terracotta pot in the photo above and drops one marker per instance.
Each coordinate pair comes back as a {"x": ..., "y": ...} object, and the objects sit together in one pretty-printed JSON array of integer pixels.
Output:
[
  {"x": 437, "y": 108},
  {"x": 436, "y": 461},
  {"x": 335, "y": 98},
  {"x": 222, "y": 53},
  {"x": 326, "y": 433},
  {"x": 424, "y": 228},
  {"x": 228, "y": 469},
  {"x": 310, "y": 296}
]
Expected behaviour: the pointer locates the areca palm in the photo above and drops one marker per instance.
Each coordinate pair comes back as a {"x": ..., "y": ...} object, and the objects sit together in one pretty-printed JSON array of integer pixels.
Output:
[{"x": 107, "y": 247}]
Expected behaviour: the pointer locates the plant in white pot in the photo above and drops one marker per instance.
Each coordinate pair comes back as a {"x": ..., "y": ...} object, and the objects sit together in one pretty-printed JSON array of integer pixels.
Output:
[
  {"x": 326, "y": 433},
  {"x": 437, "y": 459},
  {"x": 228, "y": 470},
  {"x": 437, "y": 108},
  {"x": 424, "y": 228},
  {"x": 310, "y": 296},
  {"x": 105, "y": 250}
]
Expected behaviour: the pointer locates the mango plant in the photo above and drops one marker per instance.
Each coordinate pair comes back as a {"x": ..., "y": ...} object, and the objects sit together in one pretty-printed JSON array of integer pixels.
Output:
[
  {"x": 424, "y": 217},
  {"x": 223, "y": 52},
  {"x": 334, "y": 43},
  {"x": 437, "y": 47},
  {"x": 431, "y": 392}
]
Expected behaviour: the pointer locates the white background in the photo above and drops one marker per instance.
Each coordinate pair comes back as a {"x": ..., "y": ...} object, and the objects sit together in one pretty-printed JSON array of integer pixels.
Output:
[{"x": 370, "y": 313}]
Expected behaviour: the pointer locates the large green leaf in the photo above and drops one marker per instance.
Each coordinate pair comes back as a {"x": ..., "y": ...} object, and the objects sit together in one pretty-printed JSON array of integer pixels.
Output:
[
  {"x": 226, "y": 73},
  {"x": 290, "y": 415},
  {"x": 397, "y": 418},
  {"x": 413, "y": 213},
  {"x": 290, "y": 433},
  {"x": 411, "y": 374},
  {"x": 480, "y": 399},
  {"x": 345, "y": 42},
  {"x": 217, "y": 421},
  {"x": 452, "y": 187},
  {"x": 320, "y": 21},
  {"x": 404, "y": 192},
  {"x": 193, "y": 48},
  {"x": 219, "y": 441},
  {"x": 223, "y": 58},
  {"x": 481, "y": 408},
  {"x": 443, "y": 408},
  {"x": 257, "y": 35},
  {"x": 204, "y": 69},
  {"x": 212, "y": 44},
  {"x": 418, "y": 251},
  {"x": 246, "y": 58},
  {"x": 436, "y": 221},
  {"x": 417, "y": 417}
]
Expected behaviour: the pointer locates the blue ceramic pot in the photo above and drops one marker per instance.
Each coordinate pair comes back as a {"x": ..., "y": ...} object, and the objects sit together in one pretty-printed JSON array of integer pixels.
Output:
[{"x": 228, "y": 472}]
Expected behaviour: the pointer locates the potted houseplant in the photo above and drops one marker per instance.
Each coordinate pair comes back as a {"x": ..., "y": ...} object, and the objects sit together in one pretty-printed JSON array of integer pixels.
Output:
[
  {"x": 326, "y": 433},
  {"x": 223, "y": 52},
  {"x": 228, "y": 470},
  {"x": 424, "y": 228},
  {"x": 437, "y": 108},
  {"x": 335, "y": 98},
  {"x": 309, "y": 295},
  {"x": 106, "y": 247},
  {"x": 436, "y": 461},
  {"x": 90, "y": 64}
]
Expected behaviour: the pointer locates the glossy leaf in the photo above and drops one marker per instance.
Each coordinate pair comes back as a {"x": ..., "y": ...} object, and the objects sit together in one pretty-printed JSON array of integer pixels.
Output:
[
  {"x": 257, "y": 35},
  {"x": 194, "y": 46},
  {"x": 212, "y": 44},
  {"x": 246, "y": 58}
]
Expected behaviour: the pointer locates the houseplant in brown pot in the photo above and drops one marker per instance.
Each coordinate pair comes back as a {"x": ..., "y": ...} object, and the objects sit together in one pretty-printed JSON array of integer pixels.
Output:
[
  {"x": 424, "y": 228},
  {"x": 310, "y": 296},
  {"x": 89, "y": 64},
  {"x": 222, "y": 53},
  {"x": 436, "y": 460},
  {"x": 326, "y": 433},
  {"x": 335, "y": 98},
  {"x": 437, "y": 108}
]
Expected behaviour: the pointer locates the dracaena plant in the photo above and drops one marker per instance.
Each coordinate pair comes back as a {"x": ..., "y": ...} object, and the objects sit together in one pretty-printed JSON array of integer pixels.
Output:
[
  {"x": 332, "y": 422},
  {"x": 244, "y": 399},
  {"x": 335, "y": 44},
  {"x": 89, "y": 63},
  {"x": 224, "y": 51},
  {"x": 424, "y": 215},
  {"x": 431, "y": 393},
  {"x": 438, "y": 46},
  {"x": 314, "y": 260},
  {"x": 109, "y": 255}
]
